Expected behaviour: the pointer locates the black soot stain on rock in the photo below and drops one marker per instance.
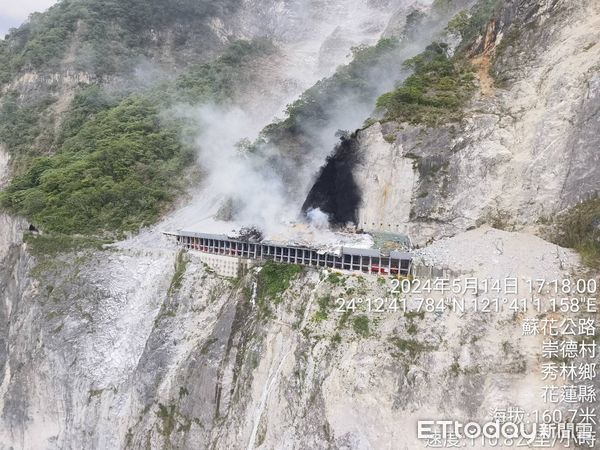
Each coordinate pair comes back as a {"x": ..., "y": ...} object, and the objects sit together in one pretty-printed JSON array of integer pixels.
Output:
[{"x": 335, "y": 191}]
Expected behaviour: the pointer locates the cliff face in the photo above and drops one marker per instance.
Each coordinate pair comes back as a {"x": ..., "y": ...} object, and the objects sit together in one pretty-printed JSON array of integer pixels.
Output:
[
  {"x": 100, "y": 351},
  {"x": 525, "y": 149},
  {"x": 139, "y": 50},
  {"x": 139, "y": 346}
]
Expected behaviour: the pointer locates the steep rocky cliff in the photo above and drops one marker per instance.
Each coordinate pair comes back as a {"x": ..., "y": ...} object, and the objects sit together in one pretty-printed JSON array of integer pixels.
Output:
[
  {"x": 524, "y": 149},
  {"x": 136, "y": 344},
  {"x": 103, "y": 352}
]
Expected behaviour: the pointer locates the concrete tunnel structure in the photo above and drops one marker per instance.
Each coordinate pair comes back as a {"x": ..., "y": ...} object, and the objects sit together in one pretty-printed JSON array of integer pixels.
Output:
[{"x": 394, "y": 263}]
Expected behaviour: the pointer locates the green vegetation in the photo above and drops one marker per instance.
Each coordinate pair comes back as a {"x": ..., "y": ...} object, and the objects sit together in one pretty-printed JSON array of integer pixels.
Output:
[
  {"x": 167, "y": 416},
  {"x": 469, "y": 25},
  {"x": 500, "y": 220},
  {"x": 172, "y": 420},
  {"x": 53, "y": 244},
  {"x": 323, "y": 311},
  {"x": 112, "y": 35},
  {"x": 183, "y": 392},
  {"x": 272, "y": 281},
  {"x": 455, "y": 368},
  {"x": 115, "y": 164},
  {"x": 440, "y": 85},
  {"x": 86, "y": 104},
  {"x": 22, "y": 125},
  {"x": 275, "y": 278},
  {"x": 409, "y": 346},
  {"x": 41, "y": 41},
  {"x": 435, "y": 92},
  {"x": 350, "y": 83},
  {"x": 180, "y": 267},
  {"x": 411, "y": 328},
  {"x": 411, "y": 315},
  {"x": 360, "y": 324},
  {"x": 335, "y": 278},
  {"x": 219, "y": 80},
  {"x": 579, "y": 228},
  {"x": 459, "y": 24},
  {"x": 117, "y": 173},
  {"x": 344, "y": 318}
]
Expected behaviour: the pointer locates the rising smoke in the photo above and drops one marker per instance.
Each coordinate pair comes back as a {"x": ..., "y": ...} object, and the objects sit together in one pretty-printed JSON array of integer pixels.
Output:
[
  {"x": 266, "y": 187},
  {"x": 317, "y": 218},
  {"x": 233, "y": 174}
]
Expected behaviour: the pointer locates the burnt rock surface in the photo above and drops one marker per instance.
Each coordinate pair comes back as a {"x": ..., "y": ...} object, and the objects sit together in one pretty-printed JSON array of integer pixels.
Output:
[{"x": 335, "y": 191}]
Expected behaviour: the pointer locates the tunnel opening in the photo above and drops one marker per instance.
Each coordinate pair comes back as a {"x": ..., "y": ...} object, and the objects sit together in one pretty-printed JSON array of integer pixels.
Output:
[{"x": 335, "y": 191}]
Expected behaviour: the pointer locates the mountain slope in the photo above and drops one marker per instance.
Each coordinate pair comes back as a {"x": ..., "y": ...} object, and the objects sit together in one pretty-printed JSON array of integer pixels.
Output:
[
  {"x": 521, "y": 150},
  {"x": 139, "y": 344}
]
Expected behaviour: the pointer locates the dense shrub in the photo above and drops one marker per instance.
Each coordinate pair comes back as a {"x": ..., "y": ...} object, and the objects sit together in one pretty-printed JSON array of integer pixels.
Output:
[
  {"x": 469, "y": 25},
  {"x": 435, "y": 92},
  {"x": 116, "y": 173},
  {"x": 219, "y": 81},
  {"x": 114, "y": 164},
  {"x": 360, "y": 324},
  {"x": 111, "y": 34},
  {"x": 314, "y": 107},
  {"x": 86, "y": 103},
  {"x": 274, "y": 279},
  {"x": 579, "y": 228},
  {"x": 21, "y": 125}
]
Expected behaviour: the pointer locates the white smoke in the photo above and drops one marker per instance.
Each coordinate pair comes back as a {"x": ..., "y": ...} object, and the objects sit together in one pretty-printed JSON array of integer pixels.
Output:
[
  {"x": 231, "y": 172},
  {"x": 317, "y": 218},
  {"x": 259, "y": 192}
]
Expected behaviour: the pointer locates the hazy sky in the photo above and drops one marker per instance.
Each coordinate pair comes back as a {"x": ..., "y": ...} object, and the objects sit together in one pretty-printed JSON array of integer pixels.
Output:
[{"x": 14, "y": 12}]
